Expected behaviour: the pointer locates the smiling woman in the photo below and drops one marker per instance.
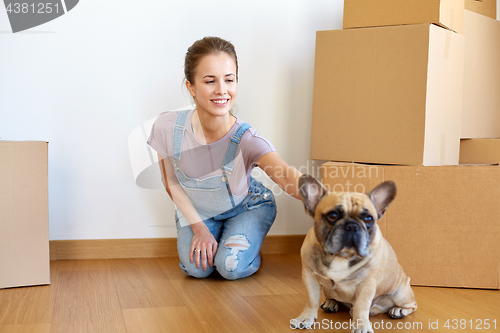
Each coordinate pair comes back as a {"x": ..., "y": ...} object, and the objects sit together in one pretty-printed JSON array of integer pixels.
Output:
[{"x": 207, "y": 155}]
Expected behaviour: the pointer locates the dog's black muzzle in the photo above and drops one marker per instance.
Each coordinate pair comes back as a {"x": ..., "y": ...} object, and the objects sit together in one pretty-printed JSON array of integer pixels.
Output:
[{"x": 354, "y": 236}]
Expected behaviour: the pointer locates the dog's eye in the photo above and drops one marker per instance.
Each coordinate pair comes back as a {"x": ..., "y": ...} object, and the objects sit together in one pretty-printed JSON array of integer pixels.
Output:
[
  {"x": 332, "y": 216},
  {"x": 368, "y": 219}
]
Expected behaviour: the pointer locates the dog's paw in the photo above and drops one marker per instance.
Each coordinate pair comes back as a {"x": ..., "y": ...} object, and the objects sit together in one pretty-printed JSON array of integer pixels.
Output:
[
  {"x": 362, "y": 330},
  {"x": 363, "y": 327},
  {"x": 330, "y": 306},
  {"x": 302, "y": 323},
  {"x": 397, "y": 313}
]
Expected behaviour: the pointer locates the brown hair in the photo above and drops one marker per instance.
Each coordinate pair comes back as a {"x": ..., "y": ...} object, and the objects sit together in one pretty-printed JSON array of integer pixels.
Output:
[{"x": 203, "y": 47}]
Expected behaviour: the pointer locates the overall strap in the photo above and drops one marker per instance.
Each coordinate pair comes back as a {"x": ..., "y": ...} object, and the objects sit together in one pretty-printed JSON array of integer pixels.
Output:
[
  {"x": 234, "y": 142},
  {"x": 179, "y": 129},
  {"x": 228, "y": 165}
]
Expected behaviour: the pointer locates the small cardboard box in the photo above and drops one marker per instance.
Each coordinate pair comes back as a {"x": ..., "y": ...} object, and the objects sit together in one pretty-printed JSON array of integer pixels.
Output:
[
  {"x": 481, "y": 104},
  {"x": 483, "y": 7},
  {"x": 389, "y": 95},
  {"x": 24, "y": 222},
  {"x": 372, "y": 13},
  {"x": 443, "y": 224},
  {"x": 480, "y": 151}
]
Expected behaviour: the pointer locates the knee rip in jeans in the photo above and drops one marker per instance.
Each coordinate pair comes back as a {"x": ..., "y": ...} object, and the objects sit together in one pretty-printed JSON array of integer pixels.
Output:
[{"x": 236, "y": 243}]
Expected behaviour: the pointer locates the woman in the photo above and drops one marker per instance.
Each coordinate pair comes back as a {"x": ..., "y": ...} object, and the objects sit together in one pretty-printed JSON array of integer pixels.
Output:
[{"x": 206, "y": 156}]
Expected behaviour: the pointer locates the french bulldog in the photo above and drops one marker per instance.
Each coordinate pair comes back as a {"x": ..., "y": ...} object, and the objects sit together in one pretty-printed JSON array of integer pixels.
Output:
[{"x": 345, "y": 254}]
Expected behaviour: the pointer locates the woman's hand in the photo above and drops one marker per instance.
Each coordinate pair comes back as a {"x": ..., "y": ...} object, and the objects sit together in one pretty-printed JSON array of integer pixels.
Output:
[{"x": 204, "y": 241}]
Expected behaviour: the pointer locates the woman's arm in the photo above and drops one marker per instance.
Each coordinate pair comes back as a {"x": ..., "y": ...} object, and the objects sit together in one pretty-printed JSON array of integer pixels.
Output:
[
  {"x": 203, "y": 240},
  {"x": 287, "y": 177},
  {"x": 176, "y": 192},
  {"x": 163, "y": 172}
]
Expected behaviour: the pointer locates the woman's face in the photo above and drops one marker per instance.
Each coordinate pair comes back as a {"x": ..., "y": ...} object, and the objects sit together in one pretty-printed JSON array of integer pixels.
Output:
[{"x": 214, "y": 88}]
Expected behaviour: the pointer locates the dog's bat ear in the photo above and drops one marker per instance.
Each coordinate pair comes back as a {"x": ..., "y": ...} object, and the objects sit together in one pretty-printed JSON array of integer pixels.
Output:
[
  {"x": 311, "y": 192},
  {"x": 382, "y": 196}
]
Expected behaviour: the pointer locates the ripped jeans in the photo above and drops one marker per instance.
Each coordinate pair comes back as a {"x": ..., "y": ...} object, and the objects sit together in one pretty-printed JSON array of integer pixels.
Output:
[{"x": 245, "y": 225}]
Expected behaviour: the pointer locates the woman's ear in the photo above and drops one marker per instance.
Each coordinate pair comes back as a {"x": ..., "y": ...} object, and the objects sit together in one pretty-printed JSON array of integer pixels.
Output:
[{"x": 190, "y": 87}]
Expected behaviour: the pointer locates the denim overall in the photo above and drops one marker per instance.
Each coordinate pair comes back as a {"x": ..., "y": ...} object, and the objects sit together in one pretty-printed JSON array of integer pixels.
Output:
[{"x": 243, "y": 220}]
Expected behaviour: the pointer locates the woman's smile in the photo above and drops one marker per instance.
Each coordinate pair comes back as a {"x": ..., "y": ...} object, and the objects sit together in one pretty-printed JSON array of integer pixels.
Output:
[{"x": 221, "y": 102}]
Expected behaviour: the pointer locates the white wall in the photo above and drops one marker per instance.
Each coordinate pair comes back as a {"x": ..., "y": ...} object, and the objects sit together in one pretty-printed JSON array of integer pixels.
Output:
[{"x": 84, "y": 81}]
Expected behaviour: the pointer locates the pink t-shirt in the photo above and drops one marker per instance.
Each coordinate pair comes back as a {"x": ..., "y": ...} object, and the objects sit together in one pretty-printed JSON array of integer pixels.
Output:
[{"x": 200, "y": 161}]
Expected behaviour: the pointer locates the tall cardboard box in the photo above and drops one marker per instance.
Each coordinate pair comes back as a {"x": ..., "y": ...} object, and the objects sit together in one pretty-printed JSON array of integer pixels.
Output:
[
  {"x": 483, "y": 7},
  {"x": 390, "y": 95},
  {"x": 481, "y": 106},
  {"x": 443, "y": 224},
  {"x": 480, "y": 151},
  {"x": 24, "y": 223},
  {"x": 373, "y": 13}
]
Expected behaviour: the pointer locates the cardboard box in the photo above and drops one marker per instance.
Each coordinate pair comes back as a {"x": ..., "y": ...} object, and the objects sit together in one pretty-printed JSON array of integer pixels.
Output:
[
  {"x": 372, "y": 13},
  {"x": 24, "y": 223},
  {"x": 483, "y": 7},
  {"x": 443, "y": 224},
  {"x": 481, "y": 106},
  {"x": 480, "y": 151},
  {"x": 389, "y": 95}
]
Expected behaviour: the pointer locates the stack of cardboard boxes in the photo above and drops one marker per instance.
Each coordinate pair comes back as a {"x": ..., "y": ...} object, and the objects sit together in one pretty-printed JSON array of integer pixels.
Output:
[{"x": 397, "y": 89}]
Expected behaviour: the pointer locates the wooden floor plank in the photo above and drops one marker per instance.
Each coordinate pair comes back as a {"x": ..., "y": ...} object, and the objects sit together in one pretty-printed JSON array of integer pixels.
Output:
[
  {"x": 28, "y": 328},
  {"x": 141, "y": 283},
  {"x": 86, "y": 302},
  {"x": 222, "y": 309},
  {"x": 80, "y": 265},
  {"x": 283, "y": 273},
  {"x": 275, "y": 311},
  {"x": 162, "y": 320},
  {"x": 29, "y": 305},
  {"x": 216, "y": 305}
]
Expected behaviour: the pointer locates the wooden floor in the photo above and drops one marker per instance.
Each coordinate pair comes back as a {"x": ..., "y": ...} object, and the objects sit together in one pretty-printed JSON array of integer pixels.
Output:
[{"x": 153, "y": 295}]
